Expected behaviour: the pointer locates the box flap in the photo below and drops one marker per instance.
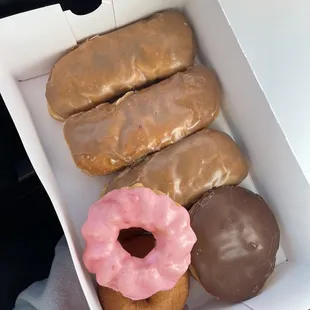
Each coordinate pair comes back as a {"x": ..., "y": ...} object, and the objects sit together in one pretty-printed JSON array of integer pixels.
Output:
[
  {"x": 278, "y": 52},
  {"x": 32, "y": 42},
  {"x": 97, "y": 22},
  {"x": 251, "y": 117}
]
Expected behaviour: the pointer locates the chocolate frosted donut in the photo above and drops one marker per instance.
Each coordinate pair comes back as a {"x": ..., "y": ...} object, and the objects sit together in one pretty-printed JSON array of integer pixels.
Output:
[{"x": 238, "y": 238}]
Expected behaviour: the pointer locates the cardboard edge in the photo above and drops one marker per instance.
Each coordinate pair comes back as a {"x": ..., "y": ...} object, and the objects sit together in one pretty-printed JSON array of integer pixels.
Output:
[
  {"x": 22, "y": 119},
  {"x": 20, "y": 33},
  {"x": 100, "y": 21}
]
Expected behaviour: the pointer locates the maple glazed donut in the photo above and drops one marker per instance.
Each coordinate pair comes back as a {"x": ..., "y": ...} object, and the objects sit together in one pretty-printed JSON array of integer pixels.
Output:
[
  {"x": 109, "y": 65},
  {"x": 187, "y": 169},
  {"x": 115, "y": 268}
]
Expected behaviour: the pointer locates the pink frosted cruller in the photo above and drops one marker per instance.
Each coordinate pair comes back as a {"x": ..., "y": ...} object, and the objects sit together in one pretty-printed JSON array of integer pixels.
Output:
[{"x": 115, "y": 268}]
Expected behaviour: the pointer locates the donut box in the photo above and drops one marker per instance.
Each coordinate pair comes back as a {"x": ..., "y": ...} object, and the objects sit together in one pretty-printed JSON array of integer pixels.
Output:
[{"x": 32, "y": 42}]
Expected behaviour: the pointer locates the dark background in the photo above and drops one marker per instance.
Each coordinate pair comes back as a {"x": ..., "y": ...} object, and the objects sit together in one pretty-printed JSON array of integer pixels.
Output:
[
  {"x": 79, "y": 7},
  {"x": 29, "y": 227}
]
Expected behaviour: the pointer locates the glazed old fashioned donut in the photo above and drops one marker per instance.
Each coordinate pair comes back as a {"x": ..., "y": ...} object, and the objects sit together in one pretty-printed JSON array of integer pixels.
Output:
[
  {"x": 115, "y": 268},
  {"x": 173, "y": 299}
]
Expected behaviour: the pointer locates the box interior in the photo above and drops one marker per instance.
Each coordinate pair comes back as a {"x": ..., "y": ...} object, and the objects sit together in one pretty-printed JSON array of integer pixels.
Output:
[{"x": 45, "y": 34}]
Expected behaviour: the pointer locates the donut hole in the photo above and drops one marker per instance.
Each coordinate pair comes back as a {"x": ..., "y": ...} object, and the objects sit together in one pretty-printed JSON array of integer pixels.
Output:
[
  {"x": 137, "y": 241},
  {"x": 126, "y": 234}
]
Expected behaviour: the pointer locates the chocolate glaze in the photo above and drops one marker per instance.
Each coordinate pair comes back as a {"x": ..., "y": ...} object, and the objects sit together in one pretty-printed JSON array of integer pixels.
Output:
[
  {"x": 238, "y": 238},
  {"x": 112, "y": 136},
  {"x": 109, "y": 65},
  {"x": 187, "y": 169}
]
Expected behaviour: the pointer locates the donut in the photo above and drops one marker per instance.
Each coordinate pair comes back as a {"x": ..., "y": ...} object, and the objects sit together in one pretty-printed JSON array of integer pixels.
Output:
[
  {"x": 173, "y": 299},
  {"x": 107, "y": 66},
  {"x": 238, "y": 238},
  {"x": 112, "y": 136},
  {"x": 115, "y": 268},
  {"x": 187, "y": 169}
]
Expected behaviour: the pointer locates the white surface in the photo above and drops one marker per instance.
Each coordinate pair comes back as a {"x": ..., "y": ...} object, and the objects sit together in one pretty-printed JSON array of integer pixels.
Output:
[
  {"x": 288, "y": 289},
  {"x": 27, "y": 56},
  {"x": 78, "y": 189},
  {"x": 100, "y": 21},
  {"x": 278, "y": 176},
  {"x": 274, "y": 36},
  {"x": 274, "y": 168}
]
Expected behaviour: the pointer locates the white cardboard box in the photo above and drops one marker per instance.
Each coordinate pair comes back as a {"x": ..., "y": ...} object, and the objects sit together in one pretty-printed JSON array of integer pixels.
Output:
[{"x": 233, "y": 37}]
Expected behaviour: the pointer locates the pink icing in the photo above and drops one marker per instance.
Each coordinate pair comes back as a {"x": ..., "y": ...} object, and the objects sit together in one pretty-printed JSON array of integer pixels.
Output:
[{"x": 115, "y": 268}]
